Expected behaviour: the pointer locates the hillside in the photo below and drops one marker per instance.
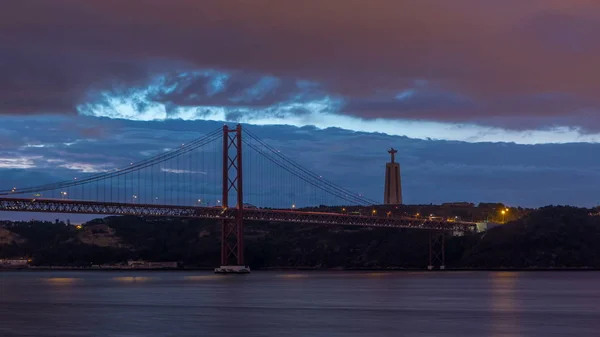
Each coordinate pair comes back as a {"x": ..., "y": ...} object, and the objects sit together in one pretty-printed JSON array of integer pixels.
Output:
[
  {"x": 7, "y": 237},
  {"x": 550, "y": 237}
]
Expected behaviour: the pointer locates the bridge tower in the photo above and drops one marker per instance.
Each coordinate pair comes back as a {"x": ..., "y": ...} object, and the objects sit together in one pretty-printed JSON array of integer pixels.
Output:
[
  {"x": 437, "y": 249},
  {"x": 232, "y": 229},
  {"x": 393, "y": 184}
]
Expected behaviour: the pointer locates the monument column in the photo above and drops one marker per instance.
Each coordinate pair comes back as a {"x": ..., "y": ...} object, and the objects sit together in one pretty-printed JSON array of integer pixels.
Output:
[{"x": 393, "y": 184}]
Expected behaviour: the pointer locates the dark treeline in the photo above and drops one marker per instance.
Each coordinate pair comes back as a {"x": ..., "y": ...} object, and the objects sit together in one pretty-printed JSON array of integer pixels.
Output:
[{"x": 552, "y": 237}]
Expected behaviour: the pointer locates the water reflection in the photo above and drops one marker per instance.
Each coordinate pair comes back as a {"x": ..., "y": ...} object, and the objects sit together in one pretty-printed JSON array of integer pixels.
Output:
[
  {"x": 61, "y": 281},
  {"x": 504, "y": 304},
  {"x": 203, "y": 277},
  {"x": 299, "y": 303},
  {"x": 291, "y": 276},
  {"x": 378, "y": 274},
  {"x": 132, "y": 279}
]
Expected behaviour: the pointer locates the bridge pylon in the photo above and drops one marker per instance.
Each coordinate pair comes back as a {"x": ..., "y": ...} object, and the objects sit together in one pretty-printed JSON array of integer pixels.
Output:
[
  {"x": 437, "y": 249},
  {"x": 232, "y": 229}
]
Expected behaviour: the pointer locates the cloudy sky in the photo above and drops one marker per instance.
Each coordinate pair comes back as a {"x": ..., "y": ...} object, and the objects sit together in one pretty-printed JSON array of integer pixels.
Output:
[{"x": 485, "y": 100}]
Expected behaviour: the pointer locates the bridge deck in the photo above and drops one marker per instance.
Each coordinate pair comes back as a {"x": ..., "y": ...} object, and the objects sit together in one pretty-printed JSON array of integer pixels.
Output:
[{"x": 110, "y": 208}]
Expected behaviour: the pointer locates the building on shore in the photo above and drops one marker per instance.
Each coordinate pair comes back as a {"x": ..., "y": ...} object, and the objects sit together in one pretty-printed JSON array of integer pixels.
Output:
[
  {"x": 14, "y": 263},
  {"x": 486, "y": 225}
]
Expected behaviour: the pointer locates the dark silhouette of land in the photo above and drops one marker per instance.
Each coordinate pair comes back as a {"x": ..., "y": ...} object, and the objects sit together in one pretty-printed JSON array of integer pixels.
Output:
[{"x": 551, "y": 237}]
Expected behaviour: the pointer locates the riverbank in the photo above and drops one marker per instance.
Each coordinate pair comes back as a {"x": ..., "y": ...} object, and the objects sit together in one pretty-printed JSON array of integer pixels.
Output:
[{"x": 333, "y": 270}]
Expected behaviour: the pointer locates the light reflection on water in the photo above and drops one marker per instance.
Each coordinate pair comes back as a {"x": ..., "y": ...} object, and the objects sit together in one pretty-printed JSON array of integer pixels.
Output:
[
  {"x": 378, "y": 274},
  {"x": 505, "y": 306},
  {"x": 61, "y": 281},
  {"x": 503, "y": 292},
  {"x": 132, "y": 279},
  {"x": 291, "y": 276},
  {"x": 108, "y": 303}
]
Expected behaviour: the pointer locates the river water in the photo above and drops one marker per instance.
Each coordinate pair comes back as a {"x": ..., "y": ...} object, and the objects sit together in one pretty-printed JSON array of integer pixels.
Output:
[{"x": 128, "y": 304}]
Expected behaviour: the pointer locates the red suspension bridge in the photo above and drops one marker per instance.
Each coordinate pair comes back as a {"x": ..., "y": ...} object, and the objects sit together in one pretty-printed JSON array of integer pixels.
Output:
[{"x": 230, "y": 175}]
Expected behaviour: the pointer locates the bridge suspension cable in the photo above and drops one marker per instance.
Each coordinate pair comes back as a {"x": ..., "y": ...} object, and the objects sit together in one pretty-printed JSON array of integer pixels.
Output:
[
  {"x": 299, "y": 171},
  {"x": 133, "y": 167},
  {"x": 173, "y": 177}
]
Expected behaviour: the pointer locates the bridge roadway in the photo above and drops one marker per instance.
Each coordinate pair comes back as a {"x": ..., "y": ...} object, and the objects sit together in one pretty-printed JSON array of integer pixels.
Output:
[{"x": 276, "y": 215}]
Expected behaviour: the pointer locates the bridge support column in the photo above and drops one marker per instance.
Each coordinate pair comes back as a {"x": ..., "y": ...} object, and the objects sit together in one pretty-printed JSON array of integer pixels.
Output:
[
  {"x": 437, "y": 247},
  {"x": 232, "y": 230}
]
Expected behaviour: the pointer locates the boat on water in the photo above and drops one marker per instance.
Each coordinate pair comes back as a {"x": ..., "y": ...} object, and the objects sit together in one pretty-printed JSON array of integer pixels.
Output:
[{"x": 232, "y": 270}]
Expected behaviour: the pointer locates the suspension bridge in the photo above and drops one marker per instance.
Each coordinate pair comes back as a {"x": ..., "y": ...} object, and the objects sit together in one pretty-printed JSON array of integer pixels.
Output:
[{"x": 230, "y": 175}]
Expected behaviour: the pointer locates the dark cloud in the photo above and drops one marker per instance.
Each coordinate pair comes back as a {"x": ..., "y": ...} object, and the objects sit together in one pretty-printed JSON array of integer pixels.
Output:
[
  {"x": 233, "y": 89},
  {"x": 499, "y": 57},
  {"x": 36, "y": 80}
]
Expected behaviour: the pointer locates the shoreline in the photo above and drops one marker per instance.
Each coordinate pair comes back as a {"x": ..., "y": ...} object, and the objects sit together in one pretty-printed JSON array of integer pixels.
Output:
[{"x": 300, "y": 269}]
